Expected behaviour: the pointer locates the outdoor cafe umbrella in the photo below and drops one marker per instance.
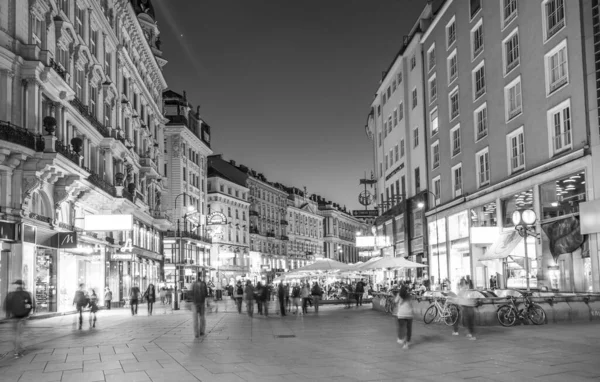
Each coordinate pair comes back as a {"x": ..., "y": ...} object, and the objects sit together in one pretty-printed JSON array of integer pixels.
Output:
[
  {"x": 361, "y": 267},
  {"x": 392, "y": 262},
  {"x": 324, "y": 265}
]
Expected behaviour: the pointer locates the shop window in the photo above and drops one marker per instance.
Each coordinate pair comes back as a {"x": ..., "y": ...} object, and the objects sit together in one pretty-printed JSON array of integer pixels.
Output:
[
  {"x": 484, "y": 216},
  {"x": 521, "y": 200},
  {"x": 562, "y": 197}
]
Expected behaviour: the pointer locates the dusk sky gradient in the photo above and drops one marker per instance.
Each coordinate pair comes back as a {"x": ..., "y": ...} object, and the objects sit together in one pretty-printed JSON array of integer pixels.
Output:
[{"x": 286, "y": 85}]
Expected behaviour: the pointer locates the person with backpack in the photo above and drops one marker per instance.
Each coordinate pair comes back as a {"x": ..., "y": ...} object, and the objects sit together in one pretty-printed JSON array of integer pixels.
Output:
[
  {"x": 404, "y": 314},
  {"x": 93, "y": 308},
  {"x": 316, "y": 293},
  {"x": 199, "y": 293},
  {"x": 81, "y": 301},
  {"x": 258, "y": 296},
  {"x": 107, "y": 297},
  {"x": 296, "y": 297},
  {"x": 281, "y": 296},
  {"x": 238, "y": 295},
  {"x": 19, "y": 305},
  {"x": 134, "y": 297},
  {"x": 150, "y": 296}
]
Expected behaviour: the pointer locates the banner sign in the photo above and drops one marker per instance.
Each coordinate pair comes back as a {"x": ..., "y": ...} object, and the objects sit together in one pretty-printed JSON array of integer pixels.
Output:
[
  {"x": 121, "y": 257},
  {"x": 216, "y": 218}
]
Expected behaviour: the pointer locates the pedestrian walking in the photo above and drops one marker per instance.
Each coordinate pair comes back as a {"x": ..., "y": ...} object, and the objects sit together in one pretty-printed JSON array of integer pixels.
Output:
[
  {"x": 296, "y": 297},
  {"x": 288, "y": 303},
  {"x": 249, "y": 298},
  {"x": 150, "y": 296},
  {"x": 316, "y": 293},
  {"x": 107, "y": 297},
  {"x": 304, "y": 294},
  {"x": 18, "y": 305},
  {"x": 238, "y": 296},
  {"x": 281, "y": 296},
  {"x": 258, "y": 296},
  {"x": 360, "y": 290},
  {"x": 264, "y": 299},
  {"x": 404, "y": 314},
  {"x": 93, "y": 308},
  {"x": 467, "y": 312},
  {"x": 80, "y": 301},
  {"x": 199, "y": 293},
  {"x": 134, "y": 297}
]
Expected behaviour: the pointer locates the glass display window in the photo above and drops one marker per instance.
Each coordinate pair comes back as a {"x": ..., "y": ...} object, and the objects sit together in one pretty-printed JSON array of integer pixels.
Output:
[
  {"x": 45, "y": 280},
  {"x": 484, "y": 216},
  {"x": 521, "y": 200},
  {"x": 562, "y": 197},
  {"x": 458, "y": 226}
]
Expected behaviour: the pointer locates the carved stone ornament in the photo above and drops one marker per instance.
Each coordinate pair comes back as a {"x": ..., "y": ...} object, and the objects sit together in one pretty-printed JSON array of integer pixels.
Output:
[
  {"x": 119, "y": 177},
  {"x": 131, "y": 188},
  {"x": 49, "y": 123},
  {"x": 77, "y": 144}
]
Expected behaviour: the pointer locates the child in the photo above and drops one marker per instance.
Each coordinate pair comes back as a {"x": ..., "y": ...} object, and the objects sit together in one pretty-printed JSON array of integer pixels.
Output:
[{"x": 404, "y": 314}]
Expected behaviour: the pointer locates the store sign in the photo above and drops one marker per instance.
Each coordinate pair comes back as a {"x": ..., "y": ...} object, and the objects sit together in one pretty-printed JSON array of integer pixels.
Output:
[
  {"x": 121, "y": 257},
  {"x": 216, "y": 218},
  {"x": 29, "y": 233},
  {"x": 65, "y": 240},
  {"x": 99, "y": 223},
  {"x": 8, "y": 231},
  {"x": 365, "y": 213},
  {"x": 128, "y": 247}
]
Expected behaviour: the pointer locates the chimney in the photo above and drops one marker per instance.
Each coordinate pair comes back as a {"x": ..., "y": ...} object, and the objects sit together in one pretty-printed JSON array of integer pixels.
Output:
[
  {"x": 198, "y": 111},
  {"x": 232, "y": 162},
  {"x": 184, "y": 96}
]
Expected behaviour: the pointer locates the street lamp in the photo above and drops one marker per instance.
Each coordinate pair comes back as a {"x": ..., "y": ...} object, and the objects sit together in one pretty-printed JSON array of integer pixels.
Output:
[
  {"x": 524, "y": 221},
  {"x": 179, "y": 257},
  {"x": 340, "y": 252},
  {"x": 437, "y": 234}
]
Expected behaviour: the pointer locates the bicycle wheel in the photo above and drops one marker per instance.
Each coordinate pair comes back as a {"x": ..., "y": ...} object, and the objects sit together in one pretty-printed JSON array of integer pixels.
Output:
[
  {"x": 430, "y": 314},
  {"x": 507, "y": 316},
  {"x": 536, "y": 314},
  {"x": 452, "y": 315}
]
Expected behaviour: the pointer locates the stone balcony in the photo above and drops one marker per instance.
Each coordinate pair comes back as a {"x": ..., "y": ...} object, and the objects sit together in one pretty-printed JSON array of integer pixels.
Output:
[{"x": 148, "y": 166}]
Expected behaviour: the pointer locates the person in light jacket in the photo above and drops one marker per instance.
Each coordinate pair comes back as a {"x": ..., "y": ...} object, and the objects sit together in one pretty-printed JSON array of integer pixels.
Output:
[
  {"x": 107, "y": 297},
  {"x": 404, "y": 315},
  {"x": 238, "y": 295}
]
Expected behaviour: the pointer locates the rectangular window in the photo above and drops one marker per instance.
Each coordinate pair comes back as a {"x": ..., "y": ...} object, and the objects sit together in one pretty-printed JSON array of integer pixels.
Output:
[
  {"x": 385, "y": 129},
  {"x": 559, "y": 122},
  {"x": 93, "y": 100},
  {"x": 396, "y": 153},
  {"x": 483, "y": 167},
  {"x": 475, "y": 6},
  {"x": 394, "y": 85},
  {"x": 554, "y": 13},
  {"x": 390, "y": 124},
  {"x": 380, "y": 169},
  {"x": 184, "y": 174},
  {"x": 402, "y": 148},
  {"x": 64, "y": 6},
  {"x": 399, "y": 79},
  {"x": 79, "y": 81},
  {"x": 391, "y": 157},
  {"x": 79, "y": 14},
  {"x": 431, "y": 58},
  {"x": 557, "y": 74},
  {"x": 454, "y": 104},
  {"x": 433, "y": 121},
  {"x": 395, "y": 117},
  {"x": 479, "y": 81},
  {"x": 94, "y": 42},
  {"x": 107, "y": 115},
  {"x": 516, "y": 149},
  {"x": 509, "y": 11},
  {"x": 435, "y": 155},
  {"x": 387, "y": 166},
  {"x": 389, "y": 92},
  {"x": 457, "y": 180},
  {"x": 477, "y": 39},
  {"x": 511, "y": 51},
  {"x": 513, "y": 99},
  {"x": 481, "y": 124},
  {"x": 452, "y": 67},
  {"x": 416, "y": 137},
  {"x": 384, "y": 98},
  {"x": 432, "y": 89},
  {"x": 450, "y": 33},
  {"x": 436, "y": 184},
  {"x": 455, "y": 136},
  {"x": 403, "y": 182},
  {"x": 36, "y": 31},
  {"x": 413, "y": 62},
  {"x": 63, "y": 58},
  {"x": 400, "y": 111},
  {"x": 414, "y": 98},
  {"x": 108, "y": 64},
  {"x": 417, "y": 180}
]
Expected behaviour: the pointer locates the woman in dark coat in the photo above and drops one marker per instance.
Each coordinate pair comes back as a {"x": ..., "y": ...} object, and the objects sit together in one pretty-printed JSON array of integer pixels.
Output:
[{"x": 150, "y": 296}]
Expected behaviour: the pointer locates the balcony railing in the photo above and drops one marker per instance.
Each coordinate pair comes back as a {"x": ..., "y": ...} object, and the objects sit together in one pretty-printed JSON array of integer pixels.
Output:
[
  {"x": 189, "y": 235},
  {"x": 97, "y": 181},
  {"x": 270, "y": 234},
  {"x": 58, "y": 69},
  {"x": 284, "y": 222},
  {"x": 127, "y": 195},
  {"x": 148, "y": 162},
  {"x": 156, "y": 214},
  {"x": 559, "y": 83},
  {"x": 65, "y": 151},
  {"x": 254, "y": 230},
  {"x": 84, "y": 110},
  {"x": 283, "y": 237},
  {"x": 254, "y": 213},
  {"x": 20, "y": 136}
]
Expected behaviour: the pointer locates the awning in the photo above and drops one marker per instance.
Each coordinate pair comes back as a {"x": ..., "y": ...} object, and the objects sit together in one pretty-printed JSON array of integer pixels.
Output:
[{"x": 503, "y": 246}]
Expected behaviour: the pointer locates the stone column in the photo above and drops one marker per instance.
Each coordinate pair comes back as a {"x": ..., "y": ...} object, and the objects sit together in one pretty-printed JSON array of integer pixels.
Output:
[
  {"x": 6, "y": 94},
  {"x": 5, "y": 189},
  {"x": 40, "y": 110},
  {"x": 108, "y": 162}
]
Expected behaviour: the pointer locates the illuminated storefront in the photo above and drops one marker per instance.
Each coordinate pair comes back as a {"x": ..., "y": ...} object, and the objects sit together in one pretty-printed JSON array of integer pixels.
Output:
[{"x": 460, "y": 254}]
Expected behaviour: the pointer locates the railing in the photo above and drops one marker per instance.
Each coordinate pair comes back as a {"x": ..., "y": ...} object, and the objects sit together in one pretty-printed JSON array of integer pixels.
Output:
[
  {"x": 41, "y": 218},
  {"x": 148, "y": 162},
  {"x": 558, "y": 84},
  {"x": 513, "y": 113},
  {"x": 556, "y": 27},
  {"x": 20, "y": 136},
  {"x": 58, "y": 69},
  {"x": 190, "y": 235},
  {"x": 140, "y": 196},
  {"x": 160, "y": 215},
  {"x": 253, "y": 213},
  {"x": 283, "y": 237},
  {"x": 84, "y": 110},
  {"x": 512, "y": 65},
  {"x": 284, "y": 222},
  {"x": 270, "y": 234},
  {"x": 65, "y": 151},
  {"x": 97, "y": 181}
]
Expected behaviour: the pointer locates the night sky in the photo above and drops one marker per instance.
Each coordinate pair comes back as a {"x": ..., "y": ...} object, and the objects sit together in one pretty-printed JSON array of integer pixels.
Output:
[{"x": 286, "y": 85}]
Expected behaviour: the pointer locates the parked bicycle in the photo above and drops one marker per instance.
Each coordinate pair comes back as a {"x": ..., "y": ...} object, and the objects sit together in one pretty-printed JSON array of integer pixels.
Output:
[
  {"x": 510, "y": 313},
  {"x": 445, "y": 311}
]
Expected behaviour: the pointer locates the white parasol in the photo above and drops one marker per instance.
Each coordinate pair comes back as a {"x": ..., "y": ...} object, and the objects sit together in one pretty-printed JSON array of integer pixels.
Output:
[
  {"x": 324, "y": 265},
  {"x": 392, "y": 262}
]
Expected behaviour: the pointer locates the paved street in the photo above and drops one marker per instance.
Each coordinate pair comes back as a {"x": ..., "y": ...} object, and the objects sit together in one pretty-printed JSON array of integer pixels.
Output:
[{"x": 338, "y": 344}]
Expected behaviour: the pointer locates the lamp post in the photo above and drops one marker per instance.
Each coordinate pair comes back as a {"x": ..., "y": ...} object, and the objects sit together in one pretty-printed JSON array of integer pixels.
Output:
[
  {"x": 437, "y": 234},
  {"x": 179, "y": 257},
  {"x": 524, "y": 221}
]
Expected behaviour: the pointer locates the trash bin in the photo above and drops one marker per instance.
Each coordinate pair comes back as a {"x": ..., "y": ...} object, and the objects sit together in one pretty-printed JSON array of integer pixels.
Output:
[{"x": 219, "y": 294}]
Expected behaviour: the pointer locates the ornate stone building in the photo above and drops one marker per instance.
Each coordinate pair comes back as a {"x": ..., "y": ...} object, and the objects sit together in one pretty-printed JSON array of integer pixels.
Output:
[
  {"x": 304, "y": 229},
  {"x": 81, "y": 133}
]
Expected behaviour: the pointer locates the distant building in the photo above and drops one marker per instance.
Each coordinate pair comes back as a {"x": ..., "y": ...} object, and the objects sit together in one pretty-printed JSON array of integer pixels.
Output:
[{"x": 303, "y": 228}]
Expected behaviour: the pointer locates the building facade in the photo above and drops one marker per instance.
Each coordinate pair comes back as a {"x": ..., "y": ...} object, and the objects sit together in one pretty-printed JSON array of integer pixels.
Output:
[
  {"x": 230, "y": 252},
  {"x": 508, "y": 128},
  {"x": 81, "y": 125},
  {"x": 303, "y": 227},
  {"x": 187, "y": 147},
  {"x": 340, "y": 229}
]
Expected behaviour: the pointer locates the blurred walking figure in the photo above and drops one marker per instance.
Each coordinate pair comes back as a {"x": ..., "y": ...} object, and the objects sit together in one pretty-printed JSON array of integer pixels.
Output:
[
  {"x": 93, "y": 308},
  {"x": 257, "y": 294},
  {"x": 304, "y": 293},
  {"x": 18, "y": 305},
  {"x": 360, "y": 290},
  {"x": 281, "y": 296},
  {"x": 404, "y": 314},
  {"x": 134, "y": 297},
  {"x": 296, "y": 297},
  {"x": 150, "y": 296},
  {"x": 467, "y": 311},
  {"x": 199, "y": 293},
  {"x": 107, "y": 297},
  {"x": 80, "y": 301},
  {"x": 249, "y": 298},
  {"x": 287, "y": 297},
  {"x": 264, "y": 299},
  {"x": 238, "y": 296},
  {"x": 163, "y": 299},
  {"x": 316, "y": 293}
]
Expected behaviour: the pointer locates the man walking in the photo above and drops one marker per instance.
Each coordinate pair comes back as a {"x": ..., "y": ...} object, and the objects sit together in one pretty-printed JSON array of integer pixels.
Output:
[
  {"x": 238, "y": 295},
  {"x": 360, "y": 290},
  {"x": 107, "y": 297},
  {"x": 80, "y": 301},
  {"x": 249, "y": 297},
  {"x": 199, "y": 293},
  {"x": 467, "y": 311},
  {"x": 281, "y": 297},
  {"x": 264, "y": 298},
  {"x": 134, "y": 297},
  {"x": 316, "y": 293},
  {"x": 18, "y": 305}
]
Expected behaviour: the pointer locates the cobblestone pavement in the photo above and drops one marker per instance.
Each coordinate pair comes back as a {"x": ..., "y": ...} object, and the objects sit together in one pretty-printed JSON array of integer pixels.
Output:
[{"x": 337, "y": 344}]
